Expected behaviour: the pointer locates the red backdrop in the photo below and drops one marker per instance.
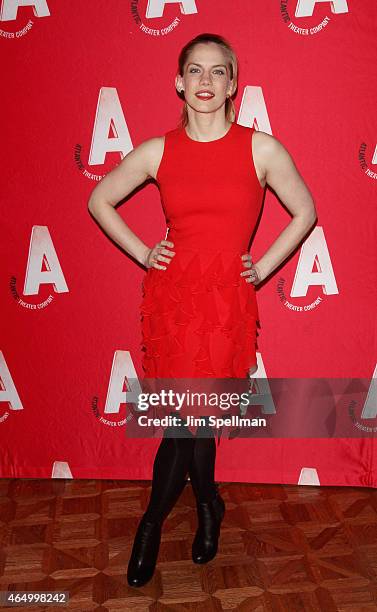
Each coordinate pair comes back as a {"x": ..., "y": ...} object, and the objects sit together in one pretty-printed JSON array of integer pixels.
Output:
[{"x": 84, "y": 84}]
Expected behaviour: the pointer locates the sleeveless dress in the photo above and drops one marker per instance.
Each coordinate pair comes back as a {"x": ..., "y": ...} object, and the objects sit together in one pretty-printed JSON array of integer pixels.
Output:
[{"x": 199, "y": 317}]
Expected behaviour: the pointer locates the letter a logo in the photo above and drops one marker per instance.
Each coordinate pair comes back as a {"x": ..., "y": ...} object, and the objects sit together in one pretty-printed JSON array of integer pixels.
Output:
[
  {"x": 305, "y": 8},
  {"x": 9, "y": 9}
]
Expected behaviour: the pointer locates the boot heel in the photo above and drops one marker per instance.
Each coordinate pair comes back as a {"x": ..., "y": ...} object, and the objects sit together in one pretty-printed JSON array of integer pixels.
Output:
[
  {"x": 144, "y": 553},
  {"x": 210, "y": 516}
]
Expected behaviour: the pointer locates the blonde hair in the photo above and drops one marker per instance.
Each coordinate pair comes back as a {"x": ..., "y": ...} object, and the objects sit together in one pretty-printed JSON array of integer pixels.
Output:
[{"x": 231, "y": 60}]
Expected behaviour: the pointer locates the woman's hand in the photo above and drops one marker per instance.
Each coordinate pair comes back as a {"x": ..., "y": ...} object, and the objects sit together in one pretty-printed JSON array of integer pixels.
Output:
[
  {"x": 252, "y": 274},
  {"x": 159, "y": 253}
]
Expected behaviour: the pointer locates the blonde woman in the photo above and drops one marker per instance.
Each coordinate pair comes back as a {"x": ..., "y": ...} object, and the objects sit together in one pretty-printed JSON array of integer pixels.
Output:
[{"x": 199, "y": 309}]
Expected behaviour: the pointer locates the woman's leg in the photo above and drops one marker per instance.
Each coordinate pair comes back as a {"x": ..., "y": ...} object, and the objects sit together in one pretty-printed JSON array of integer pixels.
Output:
[
  {"x": 209, "y": 503},
  {"x": 170, "y": 467},
  {"x": 202, "y": 466}
]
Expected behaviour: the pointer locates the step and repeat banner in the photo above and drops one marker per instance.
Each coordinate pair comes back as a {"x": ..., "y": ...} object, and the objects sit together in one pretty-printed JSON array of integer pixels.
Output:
[{"x": 83, "y": 84}]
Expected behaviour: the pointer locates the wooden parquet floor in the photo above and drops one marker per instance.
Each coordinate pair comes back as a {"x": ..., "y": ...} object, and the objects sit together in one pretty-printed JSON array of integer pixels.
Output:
[{"x": 281, "y": 547}]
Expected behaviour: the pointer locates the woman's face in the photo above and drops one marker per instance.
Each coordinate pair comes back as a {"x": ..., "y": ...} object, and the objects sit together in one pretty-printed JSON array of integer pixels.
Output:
[{"x": 205, "y": 70}]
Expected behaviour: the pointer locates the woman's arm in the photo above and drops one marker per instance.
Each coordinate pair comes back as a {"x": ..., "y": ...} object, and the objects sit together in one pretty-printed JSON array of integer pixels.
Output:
[
  {"x": 282, "y": 175},
  {"x": 137, "y": 166}
]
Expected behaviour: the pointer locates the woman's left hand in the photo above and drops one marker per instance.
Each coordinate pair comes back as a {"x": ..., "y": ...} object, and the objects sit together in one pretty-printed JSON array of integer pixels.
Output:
[{"x": 252, "y": 274}]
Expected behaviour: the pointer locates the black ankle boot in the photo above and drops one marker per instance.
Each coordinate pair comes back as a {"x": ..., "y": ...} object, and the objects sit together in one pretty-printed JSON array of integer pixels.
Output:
[
  {"x": 210, "y": 515},
  {"x": 144, "y": 553}
]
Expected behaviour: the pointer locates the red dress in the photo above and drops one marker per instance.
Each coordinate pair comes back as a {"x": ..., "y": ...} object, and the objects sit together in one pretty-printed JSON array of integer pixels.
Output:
[{"x": 199, "y": 316}]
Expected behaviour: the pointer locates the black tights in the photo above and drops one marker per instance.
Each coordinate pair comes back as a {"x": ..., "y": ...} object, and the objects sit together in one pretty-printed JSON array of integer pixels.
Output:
[{"x": 174, "y": 458}]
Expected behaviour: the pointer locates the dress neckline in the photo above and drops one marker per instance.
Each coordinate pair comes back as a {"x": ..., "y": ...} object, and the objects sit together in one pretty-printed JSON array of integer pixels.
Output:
[{"x": 208, "y": 141}]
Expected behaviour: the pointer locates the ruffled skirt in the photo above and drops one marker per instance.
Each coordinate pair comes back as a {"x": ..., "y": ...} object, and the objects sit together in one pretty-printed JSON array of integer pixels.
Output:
[{"x": 199, "y": 318}]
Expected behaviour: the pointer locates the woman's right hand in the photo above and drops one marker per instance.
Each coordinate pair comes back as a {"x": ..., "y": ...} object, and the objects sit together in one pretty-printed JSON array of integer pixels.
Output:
[{"x": 159, "y": 253}]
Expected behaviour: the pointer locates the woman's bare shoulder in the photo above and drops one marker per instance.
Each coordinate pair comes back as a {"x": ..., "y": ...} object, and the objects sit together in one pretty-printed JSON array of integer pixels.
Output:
[
  {"x": 267, "y": 146},
  {"x": 152, "y": 150}
]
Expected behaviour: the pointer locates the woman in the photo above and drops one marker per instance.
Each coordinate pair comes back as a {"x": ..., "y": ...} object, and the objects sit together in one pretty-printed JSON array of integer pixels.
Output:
[{"x": 199, "y": 310}]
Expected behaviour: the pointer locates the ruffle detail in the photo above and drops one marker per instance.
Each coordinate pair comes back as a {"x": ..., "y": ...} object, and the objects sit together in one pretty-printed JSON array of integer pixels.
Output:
[{"x": 199, "y": 318}]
